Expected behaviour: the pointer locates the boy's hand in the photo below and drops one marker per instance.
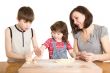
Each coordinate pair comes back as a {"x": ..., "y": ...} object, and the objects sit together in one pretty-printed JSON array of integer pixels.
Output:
[{"x": 38, "y": 52}]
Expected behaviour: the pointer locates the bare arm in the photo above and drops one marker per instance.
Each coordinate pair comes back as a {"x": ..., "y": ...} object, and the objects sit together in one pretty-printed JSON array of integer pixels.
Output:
[
  {"x": 74, "y": 50},
  {"x": 35, "y": 45},
  {"x": 75, "y": 46},
  {"x": 100, "y": 57},
  {"x": 42, "y": 48},
  {"x": 106, "y": 46},
  {"x": 77, "y": 53},
  {"x": 71, "y": 52},
  {"x": 8, "y": 46}
]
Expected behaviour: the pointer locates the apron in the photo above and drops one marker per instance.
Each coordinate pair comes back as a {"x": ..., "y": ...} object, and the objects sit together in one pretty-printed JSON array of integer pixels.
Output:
[{"x": 59, "y": 53}]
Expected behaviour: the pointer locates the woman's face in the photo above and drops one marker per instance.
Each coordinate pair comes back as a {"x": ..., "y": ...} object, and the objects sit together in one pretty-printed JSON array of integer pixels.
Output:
[{"x": 79, "y": 19}]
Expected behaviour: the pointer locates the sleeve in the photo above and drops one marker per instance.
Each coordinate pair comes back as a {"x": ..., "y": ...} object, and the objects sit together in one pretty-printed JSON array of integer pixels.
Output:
[
  {"x": 47, "y": 42},
  {"x": 103, "y": 32},
  {"x": 69, "y": 46},
  {"x": 75, "y": 36}
]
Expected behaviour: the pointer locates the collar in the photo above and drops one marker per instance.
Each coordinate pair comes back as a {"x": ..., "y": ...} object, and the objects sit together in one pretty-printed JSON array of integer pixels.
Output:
[{"x": 18, "y": 29}]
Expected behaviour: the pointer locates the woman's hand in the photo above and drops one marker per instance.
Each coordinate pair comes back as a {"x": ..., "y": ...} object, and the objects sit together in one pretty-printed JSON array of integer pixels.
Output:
[
  {"x": 80, "y": 56},
  {"x": 86, "y": 56},
  {"x": 90, "y": 56}
]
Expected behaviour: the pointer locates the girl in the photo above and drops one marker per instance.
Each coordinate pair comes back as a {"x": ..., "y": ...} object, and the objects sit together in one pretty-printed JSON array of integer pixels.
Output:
[{"x": 58, "y": 44}]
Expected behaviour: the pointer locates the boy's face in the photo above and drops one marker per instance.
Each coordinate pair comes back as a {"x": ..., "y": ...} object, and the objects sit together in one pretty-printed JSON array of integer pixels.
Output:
[
  {"x": 24, "y": 25},
  {"x": 57, "y": 35}
]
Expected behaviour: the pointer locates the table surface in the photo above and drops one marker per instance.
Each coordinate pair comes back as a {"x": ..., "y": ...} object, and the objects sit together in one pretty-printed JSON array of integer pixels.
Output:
[{"x": 13, "y": 67}]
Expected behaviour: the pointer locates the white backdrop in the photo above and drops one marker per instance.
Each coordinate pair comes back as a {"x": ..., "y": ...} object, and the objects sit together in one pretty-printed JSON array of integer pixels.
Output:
[{"x": 46, "y": 13}]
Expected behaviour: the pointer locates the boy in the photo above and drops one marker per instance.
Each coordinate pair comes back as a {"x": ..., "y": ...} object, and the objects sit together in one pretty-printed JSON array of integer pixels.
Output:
[{"x": 18, "y": 37}]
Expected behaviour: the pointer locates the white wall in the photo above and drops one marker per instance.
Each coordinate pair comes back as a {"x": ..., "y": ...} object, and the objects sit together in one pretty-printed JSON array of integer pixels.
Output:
[{"x": 46, "y": 13}]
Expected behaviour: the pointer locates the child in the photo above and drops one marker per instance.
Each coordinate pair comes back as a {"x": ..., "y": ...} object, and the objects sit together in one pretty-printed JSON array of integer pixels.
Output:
[
  {"x": 58, "y": 44},
  {"x": 19, "y": 36}
]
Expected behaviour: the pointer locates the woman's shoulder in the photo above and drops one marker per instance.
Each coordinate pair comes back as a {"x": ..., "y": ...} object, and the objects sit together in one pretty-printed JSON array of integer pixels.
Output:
[
  {"x": 99, "y": 27},
  {"x": 77, "y": 35},
  {"x": 101, "y": 30}
]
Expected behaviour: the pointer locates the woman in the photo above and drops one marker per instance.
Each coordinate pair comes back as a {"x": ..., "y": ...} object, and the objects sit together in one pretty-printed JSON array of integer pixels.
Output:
[{"x": 91, "y": 41}]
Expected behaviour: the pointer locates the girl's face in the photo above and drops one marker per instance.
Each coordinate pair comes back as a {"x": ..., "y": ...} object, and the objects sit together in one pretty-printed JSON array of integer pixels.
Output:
[
  {"x": 79, "y": 19},
  {"x": 57, "y": 36},
  {"x": 24, "y": 25}
]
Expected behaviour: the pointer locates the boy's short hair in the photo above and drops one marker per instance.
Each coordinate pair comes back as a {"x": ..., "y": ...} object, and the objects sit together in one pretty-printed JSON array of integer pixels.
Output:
[{"x": 25, "y": 13}]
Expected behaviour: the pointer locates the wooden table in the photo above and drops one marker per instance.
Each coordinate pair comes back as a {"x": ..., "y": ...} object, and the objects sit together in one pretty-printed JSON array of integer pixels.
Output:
[
  {"x": 13, "y": 67},
  {"x": 104, "y": 65}
]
